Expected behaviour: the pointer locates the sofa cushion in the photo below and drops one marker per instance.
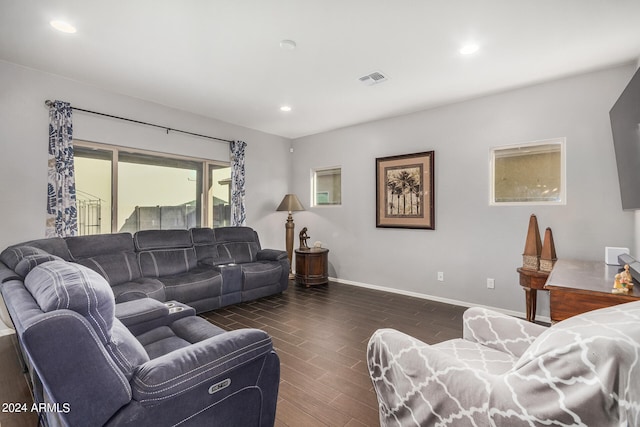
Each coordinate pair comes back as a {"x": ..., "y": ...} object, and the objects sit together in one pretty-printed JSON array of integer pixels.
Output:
[
  {"x": 14, "y": 254},
  {"x": 167, "y": 262},
  {"x": 51, "y": 245},
  {"x": 259, "y": 274},
  {"x": 99, "y": 244},
  {"x": 162, "y": 239},
  {"x": 204, "y": 243},
  {"x": 116, "y": 268},
  {"x": 160, "y": 341},
  {"x": 235, "y": 234},
  {"x": 238, "y": 243},
  {"x": 145, "y": 287},
  {"x": 30, "y": 262},
  {"x": 240, "y": 252},
  {"x": 197, "y": 284},
  {"x": 202, "y": 236},
  {"x": 60, "y": 285}
]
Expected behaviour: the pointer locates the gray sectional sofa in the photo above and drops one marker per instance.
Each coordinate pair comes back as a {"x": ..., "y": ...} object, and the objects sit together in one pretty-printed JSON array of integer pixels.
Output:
[
  {"x": 108, "y": 331},
  {"x": 204, "y": 268}
]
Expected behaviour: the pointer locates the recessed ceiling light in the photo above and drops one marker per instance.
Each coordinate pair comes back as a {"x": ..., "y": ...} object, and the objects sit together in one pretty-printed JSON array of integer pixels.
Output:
[
  {"x": 469, "y": 48},
  {"x": 63, "y": 26},
  {"x": 285, "y": 108},
  {"x": 287, "y": 45}
]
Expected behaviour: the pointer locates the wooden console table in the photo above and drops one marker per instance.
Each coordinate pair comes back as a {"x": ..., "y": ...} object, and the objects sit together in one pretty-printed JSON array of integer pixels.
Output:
[
  {"x": 312, "y": 266},
  {"x": 532, "y": 281},
  {"x": 579, "y": 286}
]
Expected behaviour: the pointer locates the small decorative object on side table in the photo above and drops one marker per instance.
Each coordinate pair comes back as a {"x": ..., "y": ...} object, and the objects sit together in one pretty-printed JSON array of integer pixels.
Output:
[{"x": 312, "y": 266}]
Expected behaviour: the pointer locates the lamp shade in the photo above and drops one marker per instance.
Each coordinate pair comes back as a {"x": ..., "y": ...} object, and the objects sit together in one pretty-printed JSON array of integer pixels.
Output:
[{"x": 290, "y": 203}]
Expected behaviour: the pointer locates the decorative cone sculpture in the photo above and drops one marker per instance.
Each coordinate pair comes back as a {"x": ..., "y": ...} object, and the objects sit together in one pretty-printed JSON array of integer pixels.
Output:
[
  {"x": 548, "y": 254},
  {"x": 532, "y": 246}
]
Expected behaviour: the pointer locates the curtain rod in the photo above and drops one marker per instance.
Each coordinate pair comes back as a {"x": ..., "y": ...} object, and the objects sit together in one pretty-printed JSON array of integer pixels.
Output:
[{"x": 49, "y": 103}]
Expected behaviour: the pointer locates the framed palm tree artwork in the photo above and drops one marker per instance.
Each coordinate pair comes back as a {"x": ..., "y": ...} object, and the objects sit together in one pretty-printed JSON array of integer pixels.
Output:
[{"x": 404, "y": 191}]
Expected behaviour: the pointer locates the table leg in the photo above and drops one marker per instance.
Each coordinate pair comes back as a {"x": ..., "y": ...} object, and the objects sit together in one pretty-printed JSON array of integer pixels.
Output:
[
  {"x": 531, "y": 299},
  {"x": 534, "y": 300}
]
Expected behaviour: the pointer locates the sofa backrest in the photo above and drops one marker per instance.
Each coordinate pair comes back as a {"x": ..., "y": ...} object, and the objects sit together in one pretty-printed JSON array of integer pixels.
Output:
[
  {"x": 54, "y": 246},
  {"x": 204, "y": 243},
  {"x": 588, "y": 363},
  {"x": 165, "y": 252},
  {"x": 239, "y": 243},
  {"x": 111, "y": 255}
]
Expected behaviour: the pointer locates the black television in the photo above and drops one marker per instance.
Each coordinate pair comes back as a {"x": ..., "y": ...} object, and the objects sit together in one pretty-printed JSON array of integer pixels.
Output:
[{"x": 625, "y": 126}]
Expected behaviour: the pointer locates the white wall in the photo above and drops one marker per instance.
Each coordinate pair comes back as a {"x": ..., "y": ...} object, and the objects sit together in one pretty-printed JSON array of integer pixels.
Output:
[
  {"x": 472, "y": 241},
  {"x": 23, "y": 138}
]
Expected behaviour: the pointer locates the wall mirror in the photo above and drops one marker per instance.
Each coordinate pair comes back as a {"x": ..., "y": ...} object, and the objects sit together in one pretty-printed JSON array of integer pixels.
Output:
[{"x": 532, "y": 173}]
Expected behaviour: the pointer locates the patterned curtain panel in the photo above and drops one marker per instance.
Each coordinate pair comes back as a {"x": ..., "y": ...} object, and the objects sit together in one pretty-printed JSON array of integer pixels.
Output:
[
  {"x": 61, "y": 189},
  {"x": 238, "y": 211}
]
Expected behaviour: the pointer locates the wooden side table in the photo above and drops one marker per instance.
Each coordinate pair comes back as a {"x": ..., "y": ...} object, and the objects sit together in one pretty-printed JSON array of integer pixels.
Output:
[
  {"x": 312, "y": 266},
  {"x": 577, "y": 286},
  {"x": 532, "y": 281}
]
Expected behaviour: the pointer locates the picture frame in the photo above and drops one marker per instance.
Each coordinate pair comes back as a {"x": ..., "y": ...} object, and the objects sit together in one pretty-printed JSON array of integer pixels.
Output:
[{"x": 405, "y": 191}]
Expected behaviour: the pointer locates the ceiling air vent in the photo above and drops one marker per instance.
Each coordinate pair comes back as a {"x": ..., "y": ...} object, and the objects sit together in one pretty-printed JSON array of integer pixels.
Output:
[{"x": 373, "y": 78}]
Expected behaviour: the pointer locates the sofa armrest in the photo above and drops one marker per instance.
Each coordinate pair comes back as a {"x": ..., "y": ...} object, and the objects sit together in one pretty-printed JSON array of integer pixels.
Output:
[
  {"x": 499, "y": 331},
  {"x": 271, "y": 255},
  {"x": 216, "y": 262},
  {"x": 417, "y": 384},
  {"x": 202, "y": 363},
  {"x": 142, "y": 315}
]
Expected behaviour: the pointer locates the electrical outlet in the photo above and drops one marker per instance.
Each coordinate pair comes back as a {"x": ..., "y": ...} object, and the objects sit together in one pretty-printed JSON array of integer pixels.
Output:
[
  {"x": 491, "y": 283},
  {"x": 440, "y": 276}
]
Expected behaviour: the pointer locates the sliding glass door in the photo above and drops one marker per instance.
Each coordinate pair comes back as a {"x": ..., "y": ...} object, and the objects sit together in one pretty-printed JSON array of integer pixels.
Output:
[{"x": 125, "y": 190}]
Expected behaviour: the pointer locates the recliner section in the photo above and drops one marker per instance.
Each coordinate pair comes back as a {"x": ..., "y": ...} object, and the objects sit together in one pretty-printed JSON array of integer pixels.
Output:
[{"x": 137, "y": 363}]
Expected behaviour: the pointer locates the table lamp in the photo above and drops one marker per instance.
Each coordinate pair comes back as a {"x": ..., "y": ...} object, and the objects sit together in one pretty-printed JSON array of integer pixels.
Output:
[{"x": 290, "y": 203}]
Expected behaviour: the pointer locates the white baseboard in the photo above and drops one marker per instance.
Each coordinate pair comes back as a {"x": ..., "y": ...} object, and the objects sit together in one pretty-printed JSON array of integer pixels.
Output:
[{"x": 435, "y": 298}]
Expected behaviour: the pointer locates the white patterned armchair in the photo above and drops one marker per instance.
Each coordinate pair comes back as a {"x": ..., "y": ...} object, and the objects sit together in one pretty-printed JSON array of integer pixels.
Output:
[{"x": 584, "y": 371}]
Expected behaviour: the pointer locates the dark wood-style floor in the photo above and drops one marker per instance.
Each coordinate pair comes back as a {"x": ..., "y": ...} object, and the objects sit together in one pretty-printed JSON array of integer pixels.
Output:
[{"x": 320, "y": 335}]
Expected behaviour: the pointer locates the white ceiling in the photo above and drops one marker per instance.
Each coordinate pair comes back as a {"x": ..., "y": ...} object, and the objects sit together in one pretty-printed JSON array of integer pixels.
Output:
[{"x": 221, "y": 58}]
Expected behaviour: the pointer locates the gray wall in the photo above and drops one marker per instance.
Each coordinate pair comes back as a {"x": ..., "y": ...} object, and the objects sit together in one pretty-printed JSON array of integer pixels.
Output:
[
  {"x": 472, "y": 241},
  {"x": 23, "y": 138}
]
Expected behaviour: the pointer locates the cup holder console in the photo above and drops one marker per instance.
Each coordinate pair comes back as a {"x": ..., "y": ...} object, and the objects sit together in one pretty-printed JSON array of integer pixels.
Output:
[
  {"x": 170, "y": 304},
  {"x": 175, "y": 309}
]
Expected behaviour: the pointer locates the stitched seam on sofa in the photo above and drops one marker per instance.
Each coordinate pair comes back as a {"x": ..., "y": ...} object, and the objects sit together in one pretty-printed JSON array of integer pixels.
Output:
[
  {"x": 55, "y": 277},
  {"x": 190, "y": 283},
  {"x": 264, "y": 362},
  {"x": 184, "y": 390},
  {"x": 227, "y": 251},
  {"x": 126, "y": 261},
  {"x": 140, "y": 291},
  {"x": 99, "y": 267},
  {"x": 92, "y": 333},
  {"x": 120, "y": 358},
  {"x": 219, "y": 402},
  {"x": 228, "y": 357},
  {"x": 155, "y": 263},
  {"x": 88, "y": 289},
  {"x": 57, "y": 284},
  {"x": 251, "y": 257},
  {"x": 137, "y": 313},
  {"x": 261, "y": 271},
  {"x": 186, "y": 260}
]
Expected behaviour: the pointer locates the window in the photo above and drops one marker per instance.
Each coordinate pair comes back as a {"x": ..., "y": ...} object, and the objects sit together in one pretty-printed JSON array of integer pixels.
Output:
[
  {"x": 126, "y": 190},
  {"x": 529, "y": 174},
  {"x": 326, "y": 186}
]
